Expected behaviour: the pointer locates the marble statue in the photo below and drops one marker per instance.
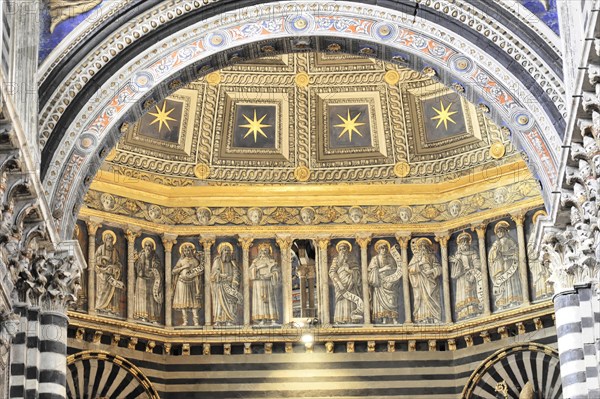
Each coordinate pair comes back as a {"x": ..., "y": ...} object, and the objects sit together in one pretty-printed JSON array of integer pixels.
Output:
[
  {"x": 540, "y": 271},
  {"x": 465, "y": 269},
  {"x": 225, "y": 284},
  {"x": 503, "y": 262},
  {"x": 187, "y": 283},
  {"x": 424, "y": 271},
  {"x": 265, "y": 275},
  {"x": 108, "y": 275},
  {"x": 384, "y": 275},
  {"x": 346, "y": 277},
  {"x": 148, "y": 299}
]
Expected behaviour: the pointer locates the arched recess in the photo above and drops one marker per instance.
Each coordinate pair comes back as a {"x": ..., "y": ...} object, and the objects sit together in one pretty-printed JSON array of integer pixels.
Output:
[
  {"x": 97, "y": 374},
  {"x": 510, "y": 371},
  {"x": 78, "y": 132}
]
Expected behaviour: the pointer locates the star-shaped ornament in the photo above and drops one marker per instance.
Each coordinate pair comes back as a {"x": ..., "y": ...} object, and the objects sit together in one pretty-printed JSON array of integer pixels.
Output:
[
  {"x": 255, "y": 126},
  {"x": 162, "y": 117},
  {"x": 350, "y": 125}
]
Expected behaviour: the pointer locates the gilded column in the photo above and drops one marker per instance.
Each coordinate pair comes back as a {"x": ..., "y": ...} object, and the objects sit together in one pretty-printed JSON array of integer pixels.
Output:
[
  {"x": 92, "y": 228},
  {"x": 323, "y": 244},
  {"x": 363, "y": 242},
  {"x": 480, "y": 230},
  {"x": 443, "y": 240},
  {"x": 403, "y": 240},
  {"x": 207, "y": 242},
  {"x": 520, "y": 221},
  {"x": 246, "y": 243},
  {"x": 131, "y": 236},
  {"x": 285, "y": 245},
  {"x": 168, "y": 241}
]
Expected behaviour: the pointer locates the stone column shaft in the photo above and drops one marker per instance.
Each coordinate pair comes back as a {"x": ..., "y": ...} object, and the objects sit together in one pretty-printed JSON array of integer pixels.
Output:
[
  {"x": 480, "y": 230},
  {"x": 443, "y": 240},
  {"x": 168, "y": 242},
  {"x": 18, "y": 354},
  {"x": 246, "y": 243},
  {"x": 53, "y": 353},
  {"x": 363, "y": 242},
  {"x": 520, "y": 221},
  {"x": 207, "y": 242},
  {"x": 131, "y": 236},
  {"x": 403, "y": 240},
  {"x": 91, "y": 275},
  {"x": 322, "y": 273},
  {"x": 285, "y": 245},
  {"x": 32, "y": 369}
]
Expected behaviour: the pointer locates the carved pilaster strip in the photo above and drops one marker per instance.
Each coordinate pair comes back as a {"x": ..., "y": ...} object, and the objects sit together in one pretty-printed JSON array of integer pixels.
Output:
[
  {"x": 285, "y": 245},
  {"x": 168, "y": 241},
  {"x": 246, "y": 243},
  {"x": 324, "y": 313},
  {"x": 207, "y": 242},
  {"x": 443, "y": 240},
  {"x": 92, "y": 228},
  {"x": 519, "y": 220},
  {"x": 480, "y": 230},
  {"x": 403, "y": 240},
  {"x": 131, "y": 236},
  {"x": 363, "y": 242}
]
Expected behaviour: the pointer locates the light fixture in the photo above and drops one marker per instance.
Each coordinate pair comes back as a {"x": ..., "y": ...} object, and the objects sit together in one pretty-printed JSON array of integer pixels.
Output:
[{"x": 308, "y": 338}]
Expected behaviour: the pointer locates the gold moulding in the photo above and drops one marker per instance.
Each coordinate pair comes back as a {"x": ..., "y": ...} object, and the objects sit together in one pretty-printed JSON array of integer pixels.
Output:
[
  {"x": 302, "y": 79},
  {"x": 202, "y": 171},
  {"x": 302, "y": 173},
  {"x": 497, "y": 150},
  {"x": 213, "y": 78},
  {"x": 391, "y": 77},
  {"x": 402, "y": 169}
]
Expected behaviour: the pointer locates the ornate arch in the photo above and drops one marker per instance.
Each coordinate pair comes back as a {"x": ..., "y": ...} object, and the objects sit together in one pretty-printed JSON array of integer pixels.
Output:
[
  {"x": 508, "y": 370},
  {"x": 101, "y": 374},
  {"x": 449, "y": 41}
]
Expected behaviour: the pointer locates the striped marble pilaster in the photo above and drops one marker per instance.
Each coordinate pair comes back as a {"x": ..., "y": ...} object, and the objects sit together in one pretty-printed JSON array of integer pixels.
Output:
[
  {"x": 586, "y": 298},
  {"x": 570, "y": 346},
  {"x": 53, "y": 354},
  {"x": 18, "y": 355},
  {"x": 33, "y": 353}
]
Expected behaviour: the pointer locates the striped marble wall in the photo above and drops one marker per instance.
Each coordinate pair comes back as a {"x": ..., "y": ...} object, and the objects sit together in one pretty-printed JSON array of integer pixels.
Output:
[{"x": 402, "y": 374}]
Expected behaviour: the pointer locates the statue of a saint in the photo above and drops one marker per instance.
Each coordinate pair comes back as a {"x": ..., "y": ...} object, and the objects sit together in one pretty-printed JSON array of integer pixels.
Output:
[
  {"x": 187, "y": 283},
  {"x": 108, "y": 275},
  {"x": 384, "y": 275},
  {"x": 225, "y": 280},
  {"x": 424, "y": 271},
  {"x": 148, "y": 299},
  {"x": 540, "y": 272},
  {"x": 465, "y": 268},
  {"x": 265, "y": 275},
  {"x": 503, "y": 262},
  {"x": 346, "y": 277}
]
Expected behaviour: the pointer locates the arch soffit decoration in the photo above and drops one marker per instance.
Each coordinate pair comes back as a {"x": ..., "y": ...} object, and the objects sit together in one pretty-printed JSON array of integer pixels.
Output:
[{"x": 209, "y": 44}]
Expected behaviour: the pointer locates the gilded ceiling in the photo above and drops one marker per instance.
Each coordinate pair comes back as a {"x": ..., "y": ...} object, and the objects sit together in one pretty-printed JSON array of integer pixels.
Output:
[
  {"x": 312, "y": 133},
  {"x": 316, "y": 117}
]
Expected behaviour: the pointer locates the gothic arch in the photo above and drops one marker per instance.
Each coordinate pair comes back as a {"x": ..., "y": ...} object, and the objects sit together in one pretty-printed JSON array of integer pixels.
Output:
[{"x": 451, "y": 41}]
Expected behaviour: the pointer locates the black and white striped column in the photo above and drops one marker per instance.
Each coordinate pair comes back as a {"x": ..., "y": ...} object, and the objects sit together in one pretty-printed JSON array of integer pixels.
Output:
[
  {"x": 53, "y": 355},
  {"x": 18, "y": 351},
  {"x": 577, "y": 328}
]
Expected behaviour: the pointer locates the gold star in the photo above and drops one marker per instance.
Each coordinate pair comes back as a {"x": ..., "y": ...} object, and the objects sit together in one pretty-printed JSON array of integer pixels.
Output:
[
  {"x": 255, "y": 126},
  {"x": 162, "y": 117},
  {"x": 349, "y": 125},
  {"x": 444, "y": 115}
]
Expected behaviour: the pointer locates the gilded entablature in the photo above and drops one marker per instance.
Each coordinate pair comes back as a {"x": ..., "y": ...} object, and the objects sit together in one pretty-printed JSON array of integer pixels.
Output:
[
  {"x": 523, "y": 193},
  {"x": 347, "y": 119}
]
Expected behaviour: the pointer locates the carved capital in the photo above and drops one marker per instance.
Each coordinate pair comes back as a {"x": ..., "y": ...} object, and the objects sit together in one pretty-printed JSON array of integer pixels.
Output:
[
  {"x": 93, "y": 227},
  {"x": 284, "y": 242},
  {"x": 518, "y": 218},
  {"x": 207, "y": 242},
  {"x": 168, "y": 242},
  {"x": 443, "y": 239},
  {"x": 131, "y": 235},
  {"x": 403, "y": 240},
  {"x": 246, "y": 242},
  {"x": 363, "y": 240},
  {"x": 480, "y": 230},
  {"x": 323, "y": 242}
]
